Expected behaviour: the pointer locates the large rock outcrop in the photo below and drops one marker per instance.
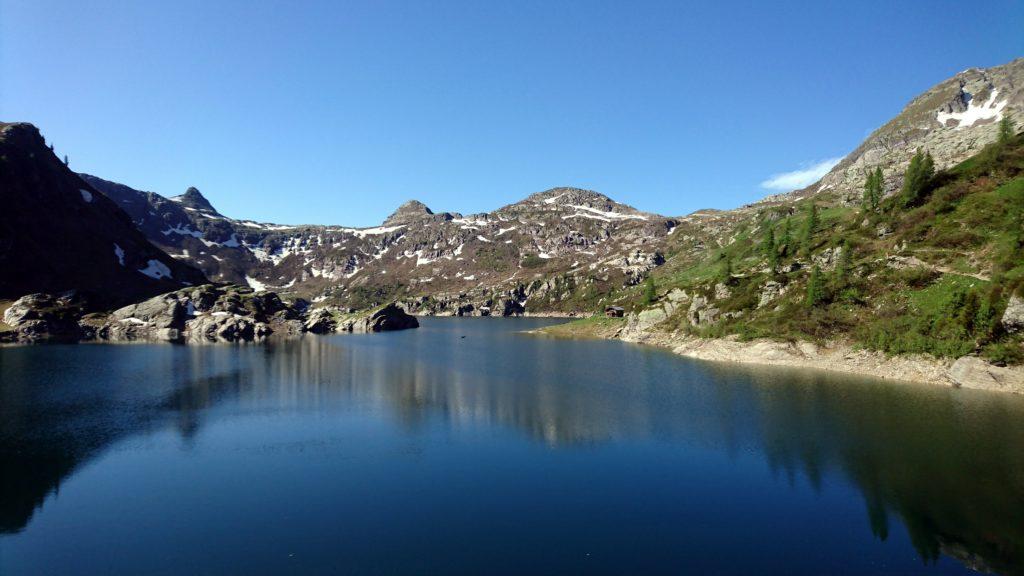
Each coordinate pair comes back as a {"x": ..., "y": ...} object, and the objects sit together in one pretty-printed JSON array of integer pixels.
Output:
[
  {"x": 1013, "y": 317},
  {"x": 390, "y": 317}
]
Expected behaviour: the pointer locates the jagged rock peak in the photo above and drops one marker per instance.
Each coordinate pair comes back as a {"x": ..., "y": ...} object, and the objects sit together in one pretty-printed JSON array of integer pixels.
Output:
[
  {"x": 193, "y": 198},
  {"x": 411, "y": 210}
]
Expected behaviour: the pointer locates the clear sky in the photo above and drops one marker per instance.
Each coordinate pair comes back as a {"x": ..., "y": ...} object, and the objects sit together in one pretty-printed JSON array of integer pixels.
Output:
[{"x": 336, "y": 112}]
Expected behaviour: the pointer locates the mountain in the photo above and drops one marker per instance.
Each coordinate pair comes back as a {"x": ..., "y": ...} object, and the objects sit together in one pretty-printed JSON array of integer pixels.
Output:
[
  {"x": 952, "y": 120},
  {"x": 58, "y": 233},
  {"x": 499, "y": 262},
  {"x": 815, "y": 278}
]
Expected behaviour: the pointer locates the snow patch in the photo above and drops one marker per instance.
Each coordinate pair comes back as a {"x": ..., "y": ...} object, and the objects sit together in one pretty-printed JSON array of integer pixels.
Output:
[
  {"x": 255, "y": 284},
  {"x": 156, "y": 269},
  {"x": 86, "y": 195},
  {"x": 119, "y": 252},
  {"x": 990, "y": 110}
]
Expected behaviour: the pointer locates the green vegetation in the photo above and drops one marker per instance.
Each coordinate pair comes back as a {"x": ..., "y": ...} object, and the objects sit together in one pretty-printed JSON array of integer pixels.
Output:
[
  {"x": 873, "y": 190},
  {"x": 928, "y": 270},
  {"x": 917, "y": 179},
  {"x": 1005, "y": 130},
  {"x": 811, "y": 225},
  {"x": 815, "y": 288},
  {"x": 532, "y": 261},
  {"x": 593, "y": 327},
  {"x": 649, "y": 290}
]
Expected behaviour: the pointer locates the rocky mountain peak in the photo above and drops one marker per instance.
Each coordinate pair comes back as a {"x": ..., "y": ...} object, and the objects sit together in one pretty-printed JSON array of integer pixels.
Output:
[
  {"x": 409, "y": 211},
  {"x": 193, "y": 198}
]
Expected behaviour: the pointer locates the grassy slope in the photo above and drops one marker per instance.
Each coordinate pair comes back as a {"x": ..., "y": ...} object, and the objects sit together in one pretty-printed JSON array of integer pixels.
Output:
[{"x": 936, "y": 282}]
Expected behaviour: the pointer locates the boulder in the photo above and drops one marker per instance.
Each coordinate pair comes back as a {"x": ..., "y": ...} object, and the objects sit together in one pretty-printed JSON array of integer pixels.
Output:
[
  {"x": 771, "y": 291},
  {"x": 701, "y": 312},
  {"x": 390, "y": 317},
  {"x": 973, "y": 372},
  {"x": 41, "y": 317},
  {"x": 321, "y": 321},
  {"x": 1013, "y": 317}
]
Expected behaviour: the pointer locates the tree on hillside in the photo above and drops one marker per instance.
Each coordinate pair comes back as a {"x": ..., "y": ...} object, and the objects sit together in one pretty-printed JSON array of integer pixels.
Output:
[
  {"x": 65, "y": 159},
  {"x": 810, "y": 227},
  {"x": 919, "y": 175},
  {"x": 649, "y": 290},
  {"x": 725, "y": 272},
  {"x": 815, "y": 288},
  {"x": 1005, "y": 129},
  {"x": 787, "y": 237},
  {"x": 770, "y": 250},
  {"x": 873, "y": 190},
  {"x": 842, "y": 271}
]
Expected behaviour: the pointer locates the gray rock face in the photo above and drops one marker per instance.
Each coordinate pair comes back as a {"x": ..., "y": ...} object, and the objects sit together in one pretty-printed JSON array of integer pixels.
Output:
[
  {"x": 953, "y": 120},
  {"x": 1013, "y": 317},
  {"x": 772, "y": 291},
  {"x": 390, "y": 317},
  {"x": 203, "y": 314},
  {"x": 321, "y": 321},
  {"x": 411, "y": 211},
  {"x": 45, "y": 317},
  {"x": 701, "y": 312},
  {"x": 973, "y": 372}
]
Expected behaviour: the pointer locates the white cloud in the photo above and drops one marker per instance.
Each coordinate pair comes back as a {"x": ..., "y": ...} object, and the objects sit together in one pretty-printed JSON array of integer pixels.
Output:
[{"x": 807, "y": 175}]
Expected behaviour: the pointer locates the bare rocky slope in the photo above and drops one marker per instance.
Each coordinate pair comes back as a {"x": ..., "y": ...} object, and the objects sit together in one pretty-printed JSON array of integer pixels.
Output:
[
  {"x": 57, "y": 233},
  {"x": 556, "y": 251}
]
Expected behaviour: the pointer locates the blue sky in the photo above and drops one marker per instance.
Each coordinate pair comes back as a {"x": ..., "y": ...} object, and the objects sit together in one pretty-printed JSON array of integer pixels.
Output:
[{"x": 336, "y": 112}]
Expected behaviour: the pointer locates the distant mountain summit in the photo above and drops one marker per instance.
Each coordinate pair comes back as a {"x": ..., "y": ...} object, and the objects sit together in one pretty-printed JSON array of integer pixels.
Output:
[
  {"x": 194, "y": 199},
  {"x": 408, "y": 212}
]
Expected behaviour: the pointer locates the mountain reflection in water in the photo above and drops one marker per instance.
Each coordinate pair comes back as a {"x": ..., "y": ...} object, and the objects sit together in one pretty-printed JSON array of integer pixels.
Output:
[{"x": 947, "y": 464}]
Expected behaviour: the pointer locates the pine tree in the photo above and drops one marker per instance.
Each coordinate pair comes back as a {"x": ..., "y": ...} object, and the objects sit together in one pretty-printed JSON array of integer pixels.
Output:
[
  {"x": 873, "y": 190},
  {"x": 787, "y": 238},
  {"x": 725, "y": 272},
  {"x": 917, "y": 178},
  {"x": 65, "y": 159},
  {"x": 649, "y": 290},
  {"x": 810, "y": 227},
  {"x": 815, "y": 288},
  {"x": 1005, "y": 129}
]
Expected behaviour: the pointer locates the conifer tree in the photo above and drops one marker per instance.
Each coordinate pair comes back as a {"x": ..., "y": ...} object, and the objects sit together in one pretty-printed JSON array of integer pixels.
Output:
[
  {"x": 873, "y": 190},
  {"x": 1005, "y": 129},
  {"x": 919, "y": 174},
  {"x": 787, "y": 237},
  {"x": 725, "y": 272},
  {"x": 649, "y": 290},
  {"x": 815, "y": 288},
  {"x": 810, "y": 227}
]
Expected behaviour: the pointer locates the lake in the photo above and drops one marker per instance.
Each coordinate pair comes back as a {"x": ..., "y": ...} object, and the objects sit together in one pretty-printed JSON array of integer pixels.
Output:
[{"x": 466, "y": 446}]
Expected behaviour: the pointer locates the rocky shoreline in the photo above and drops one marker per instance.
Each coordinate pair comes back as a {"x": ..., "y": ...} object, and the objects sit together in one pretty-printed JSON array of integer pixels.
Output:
[
  {"x": 202, "y": 314},
  {"x": 966, "y": 372}
]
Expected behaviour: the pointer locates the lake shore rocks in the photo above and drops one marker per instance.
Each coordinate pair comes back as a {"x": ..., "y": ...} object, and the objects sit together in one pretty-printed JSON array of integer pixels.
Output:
[{"x": 208, "y": 313}]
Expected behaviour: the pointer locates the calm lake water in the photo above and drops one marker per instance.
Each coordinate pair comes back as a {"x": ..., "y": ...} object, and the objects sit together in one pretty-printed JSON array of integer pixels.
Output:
[{"x": 426, "y": 452}]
